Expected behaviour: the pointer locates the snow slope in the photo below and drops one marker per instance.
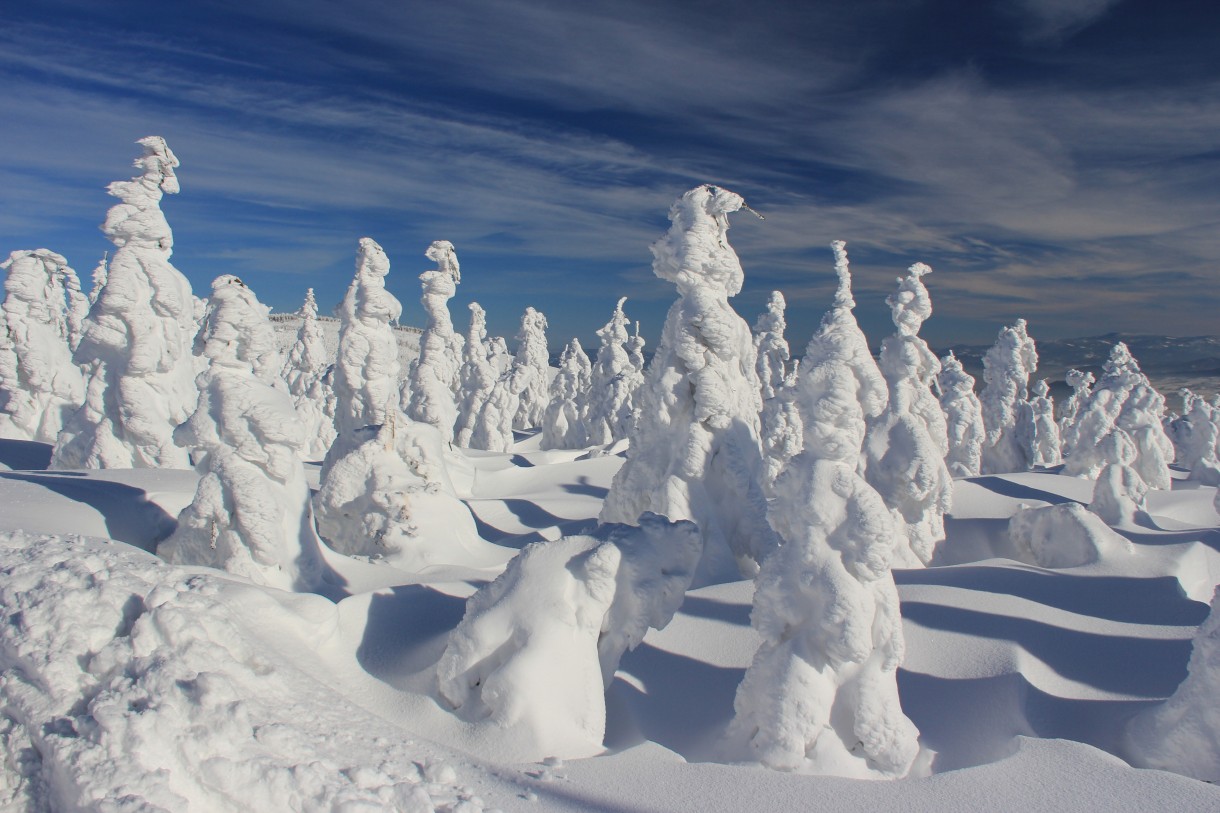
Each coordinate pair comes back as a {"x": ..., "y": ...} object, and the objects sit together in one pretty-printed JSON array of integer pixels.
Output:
[{"x": 178, "y": 688}]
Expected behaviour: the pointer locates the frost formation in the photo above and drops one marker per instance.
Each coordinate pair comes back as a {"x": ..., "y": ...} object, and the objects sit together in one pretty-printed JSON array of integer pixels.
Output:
[{"x": 435, "y": 377}]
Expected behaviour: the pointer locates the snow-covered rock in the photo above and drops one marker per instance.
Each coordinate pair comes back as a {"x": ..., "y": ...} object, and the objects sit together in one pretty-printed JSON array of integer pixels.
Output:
[{"x": 1065, "y": 535}]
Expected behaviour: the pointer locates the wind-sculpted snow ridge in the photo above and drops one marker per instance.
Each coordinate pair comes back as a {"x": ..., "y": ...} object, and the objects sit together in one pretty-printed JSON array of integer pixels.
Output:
[
  {"x": 127, "y": 684},
  {"x": 1119, "y": 493},
  {"x": 434, "y": 380},
  {"x": 821, "y": 694},
  {"x": 1047, "y": 444},
  {"x": 40, "y": 323},
  {"x": 477, "y": 376},
  {"x": 907, "y": 444},
  {"x": 963, "y": 418},
  {"x": 538, "y": 647},
  {"x": 1007, "y": 418},
  {"x": 137, "y": 339},
  {"x": 250, "y": 515},
  {"x": 695, "y": 451},
  {"x": 1123, "y": 399},
  {"x": 306, "y": 373},
  {"x": 1183, "y": 733},
  {"x": 614, "y": 381},
  {"x": 1069, "y": 425},
  {"x": 563, "y": 426},
  {"x": 366, "y": 372},
  {"x": 531, "y": 371}
]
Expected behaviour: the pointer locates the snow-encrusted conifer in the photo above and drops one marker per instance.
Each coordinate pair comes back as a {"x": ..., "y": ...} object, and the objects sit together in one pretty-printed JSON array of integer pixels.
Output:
[
  {"x": 366, "y": 372},
  {"x": 821, "y": 693},
  {"x": 1123, "y": 399},
  {"x": 563, "y": 426},
  {"x": 695, "y": 451},
  {"x": 780, "y": 420},
  {"x": 100, "y": 273},
  {"x": 477, "y": 376},
  {"x": 1007, "y": 366},
  {"x": 907, "y": 444},
  {"x": 435, "y": 376},
  {"x": 501, "y": 359},
  {"x": 963, "y": 418},
  {"x": 1119, "y": 491},
  {"x": 305, "y": 373},
  {"x": 610, "y": 391},
  {"x": 39, "y": 321},
  {"x": 493, "y": 428},
  {"x": 635, "y": 353},
  {"x": 1199, "y": 441},
  {"x": 1069, "y": 422},
  {"x": 138, "y": 335},
  {"x": 250, "y": 514},
  {"x": 1047, "y": 443},
  {"x": 770, "y": 347},
  {"x": 531, "y": 371}
]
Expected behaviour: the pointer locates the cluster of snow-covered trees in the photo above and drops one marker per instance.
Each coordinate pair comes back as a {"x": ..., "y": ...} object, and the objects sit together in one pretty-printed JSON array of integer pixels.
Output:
[{"x": 814, "y": 479}]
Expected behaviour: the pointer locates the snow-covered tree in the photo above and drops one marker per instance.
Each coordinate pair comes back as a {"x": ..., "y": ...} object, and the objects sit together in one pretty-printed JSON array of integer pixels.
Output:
[
  {"x": 137, "y": 337},
  {"x": 531, "y": 371},
  {"x": 1198, "y": 441},
  {"x": 1123, "y": 399},
  {"x": 963, "y": 418},
  {"x": 305, "y": 372},
  {"x": 501, "y": 359},
  {"x": 250, "y": 514},
  {"x": 907, "y": 444},
  {"x": 493, "y": 428},
  {"x": 39, "y": 321},
  {"x": 1007, "y": 366},
  {"x": 1046, "y": 432},
  {"x": 1069, "y": 422},
  {"x": 100, "y": 273},
  {"x": 476, "y": 377},
  {"x": 1119, "y": 491},
  {"x": 366, "y": 372},
  {"x": 435, "y": 377},
  {"x": 563, "y": 426},
  {"x": 695, "y": 451},
  {"x": 770, "y": 347},
  {"x": 821, "y": 692},
  {"x": 782, "y": 431},
  {"x": 613, "y": 377},
  {"x": 635, "y": 353}
]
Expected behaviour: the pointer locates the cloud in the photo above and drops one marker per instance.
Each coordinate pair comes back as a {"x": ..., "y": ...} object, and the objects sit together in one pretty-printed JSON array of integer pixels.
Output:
[{"x": 1055, "y": 20}]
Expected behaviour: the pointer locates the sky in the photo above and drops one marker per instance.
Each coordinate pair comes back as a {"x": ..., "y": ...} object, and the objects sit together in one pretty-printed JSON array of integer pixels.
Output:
[{"x": 1057, "y": 160}]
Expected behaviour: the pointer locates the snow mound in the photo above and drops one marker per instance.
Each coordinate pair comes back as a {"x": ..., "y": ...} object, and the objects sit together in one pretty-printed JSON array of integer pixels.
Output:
[{"x": 1065, "y": 535}]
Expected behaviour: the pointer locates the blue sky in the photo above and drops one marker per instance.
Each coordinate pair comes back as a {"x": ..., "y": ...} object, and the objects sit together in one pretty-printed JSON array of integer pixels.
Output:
[{"x": 1052, "y": 159}]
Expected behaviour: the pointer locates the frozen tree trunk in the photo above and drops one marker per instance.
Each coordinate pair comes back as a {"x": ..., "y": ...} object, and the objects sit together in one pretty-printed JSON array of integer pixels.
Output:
[
  {"x": 695, "y": 451},
  {"x": 563, "y": 426},
  {"x": 39, "y": 322},
  {"x": 435, "y": 377},
  {"x": 1047, "y": 444},
  {"x": 1069, "y": 423},
  {"x": 963, "y": 418},
  {"x": 1007, "y": 366},
  {"x": 614, "y": 379},
  {"x": 366, "y": 372},
  {"x": 531, "y": 371},
  {"x": 137, "y": 337},
  {"x": 477, "y": 376},
  {"x": 250, "y": 515},
  {"x": 907, "y": 444},
  {"x": 305, "y": 373}
]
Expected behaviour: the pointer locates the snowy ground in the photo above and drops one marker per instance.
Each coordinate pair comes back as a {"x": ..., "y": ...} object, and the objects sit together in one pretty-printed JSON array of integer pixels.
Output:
[{"x": 159, "y": 687}]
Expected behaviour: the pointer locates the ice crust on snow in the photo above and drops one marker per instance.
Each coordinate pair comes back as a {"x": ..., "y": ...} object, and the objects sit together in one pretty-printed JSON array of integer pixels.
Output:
[{"x": 432, "y": 385}]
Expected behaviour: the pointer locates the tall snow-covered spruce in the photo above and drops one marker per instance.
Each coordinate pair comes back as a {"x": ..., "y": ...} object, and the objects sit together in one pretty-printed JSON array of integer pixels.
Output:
[
  {"x": 138, "y": 336},
  {"x": 434, "y": 379},
  {"x": 695, "y": 451},
  {"x": 780, "y": 419},
  {"x": 531, "y": 371},
  {"x": 251, "y": 514},
  {"x": 1007, "y": 416},
  {"x": 613, "y": 384},
  {"x": 963, "y": 418},
  {"x": 563, "y": 426},
  {"x": 305, "y": 372},
  {"x": 40, "y": 321},
  {"x": 821, "y": 694},
  {"x": 477, "y": 376}
]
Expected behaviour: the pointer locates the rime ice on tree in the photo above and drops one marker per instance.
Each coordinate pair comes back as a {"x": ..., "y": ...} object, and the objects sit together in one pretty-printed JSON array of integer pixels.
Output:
[
  {"x": 613, "y": 383},
  {"x": 770, "y": 347},
  {"x": 1198, "y": 442},
  {"x": 1119, "y": 491},
  {"x": 563, "y": 426},
  {"x": 305, "y": 372},
  {"x": 435, "y": 377},
  {"x": 40, "y": 320},
  {"x": 250, "y": 515},
  {"x": 908, "y": 442},
  {"x": 1046, "y": 431},
  {"x": 531, "y": 371},
  {"x": 695, "y": 451},
  {"x": 780, "y": 420},
  {"x": 821, "y": 693},
  {"x": 477, "y": 376},
  {"x": 1007, "y": 366},
  {"x": 963, "y": 418},
  {"x": 1069, "y": 426},
  {"x": 138, "y": 335}
]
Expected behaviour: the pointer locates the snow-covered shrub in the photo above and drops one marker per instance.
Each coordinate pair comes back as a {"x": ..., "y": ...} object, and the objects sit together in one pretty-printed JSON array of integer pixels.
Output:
[
  {"x": 695, "y": 451},
  {"x": 476, "y": 377},
  {"x": 1007, "y": 366},
  {"x": 1183, "y": 733},
  {"x": 1066, "y": 535},
  {"x": 613, "y": 383},
  {"x": 538, "y": 646},
  {"x": 563, "y": 426},
  {"x": 137, "y": 338},
  {"x": 366, "y": 372},
  {"x": 1123, "y": 399},
  {"x": 435, "y": 376},
  {"x": 531, "y": 371},
  {"x": 1120, "y": 491},
  {"x": 40, "y": 320},
  {"x": 963, "y": 418},
  {"x": 390, "y": 497},
  {"x": 1069, "y": 422},
  {"x": 305, "y": 372},
  {"x": 250, "y": 515},
  {"x": 821, "y": 693},
  {"x": 907, "y": 444},
  {"x": 1046, "y": 431}
]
